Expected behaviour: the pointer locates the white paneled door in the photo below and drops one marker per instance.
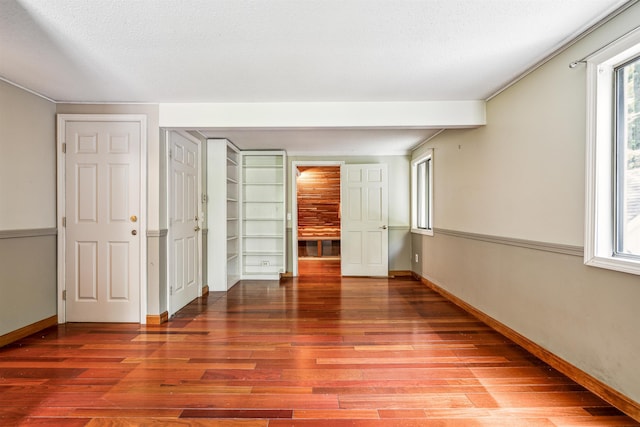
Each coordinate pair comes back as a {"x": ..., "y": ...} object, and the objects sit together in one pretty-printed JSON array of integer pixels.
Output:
[
  {"x": 102, "y": 232},
  {"x": 365, "y": 234},
  {"x": 184, "y": 236}
]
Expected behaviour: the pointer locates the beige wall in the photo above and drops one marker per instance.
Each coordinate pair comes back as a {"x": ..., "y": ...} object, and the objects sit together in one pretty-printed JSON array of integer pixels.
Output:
[
  {"x": 28, "y": 194},
  {"x": 27, "y": 203},
  {"x": 27, "y": 294},
  {"x": 27, "y": 160},
  {"x": 522, "y": 177},
  {"x": 399, "y": 214}
]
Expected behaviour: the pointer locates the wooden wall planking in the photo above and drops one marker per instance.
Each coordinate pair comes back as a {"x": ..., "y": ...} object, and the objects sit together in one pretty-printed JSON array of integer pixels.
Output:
[{"x": 319, "y": 197}]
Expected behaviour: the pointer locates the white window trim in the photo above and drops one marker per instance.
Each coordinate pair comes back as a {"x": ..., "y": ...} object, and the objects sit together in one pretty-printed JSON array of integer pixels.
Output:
[
  {"x": 427, "y": 155},
  {"x": 599, "y": 216}
]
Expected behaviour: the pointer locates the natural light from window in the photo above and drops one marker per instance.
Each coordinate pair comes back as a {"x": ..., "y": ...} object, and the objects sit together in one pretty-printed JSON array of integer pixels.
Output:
[
  {"x": 422, "y": 194},
  {"x": 628, "y": 158},
  {"x": 612, "y": 220}
]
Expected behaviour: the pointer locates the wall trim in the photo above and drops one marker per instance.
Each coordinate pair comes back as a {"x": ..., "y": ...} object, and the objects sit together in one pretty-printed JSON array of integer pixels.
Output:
[
  {"x": 521, "y": 243},
  {"x": 602, "y": 390},
  {"x": 157, "y": 233},
  {"x": 157, "y": 319},
  {"x": 28, "y": 330},
  {"x": 390, "y": 227},
  {"x": 30, "y": 232}
]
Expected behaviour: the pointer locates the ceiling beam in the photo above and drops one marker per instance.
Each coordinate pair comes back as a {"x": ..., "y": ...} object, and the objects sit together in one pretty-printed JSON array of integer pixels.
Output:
[{"x": 314, "y": 115}]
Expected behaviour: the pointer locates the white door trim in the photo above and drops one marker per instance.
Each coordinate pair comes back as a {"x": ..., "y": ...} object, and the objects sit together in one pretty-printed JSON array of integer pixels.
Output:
[
  {"x": 61, "y": 199},
  {"x": 201, "y": 214},
  {"x": 294, "y": 204}
]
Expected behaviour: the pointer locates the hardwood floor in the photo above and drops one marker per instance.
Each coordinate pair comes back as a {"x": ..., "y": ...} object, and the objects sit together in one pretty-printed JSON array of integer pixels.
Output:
[{"x": 313, "y": 351}]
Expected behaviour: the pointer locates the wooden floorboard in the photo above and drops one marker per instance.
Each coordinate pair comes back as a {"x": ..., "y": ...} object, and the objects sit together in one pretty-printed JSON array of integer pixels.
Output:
[{"x": 314, "y": 351}]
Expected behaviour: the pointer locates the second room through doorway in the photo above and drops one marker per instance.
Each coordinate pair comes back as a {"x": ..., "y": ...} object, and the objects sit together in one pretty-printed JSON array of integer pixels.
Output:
[{"x": 318, "y": 201}]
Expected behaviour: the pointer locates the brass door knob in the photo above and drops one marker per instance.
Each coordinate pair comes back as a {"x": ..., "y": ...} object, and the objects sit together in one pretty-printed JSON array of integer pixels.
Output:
[{"x": 134, "y": 218}]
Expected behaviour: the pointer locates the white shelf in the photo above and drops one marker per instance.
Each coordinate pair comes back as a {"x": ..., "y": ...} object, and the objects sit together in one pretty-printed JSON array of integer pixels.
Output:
[
  {"x": 223, "y": 189},
  {"x": 262, "y": 202},
  {"x": 261, "y": 183},
  {"x": 260, "y": 253},
  {"x": 263, "y": 195}
]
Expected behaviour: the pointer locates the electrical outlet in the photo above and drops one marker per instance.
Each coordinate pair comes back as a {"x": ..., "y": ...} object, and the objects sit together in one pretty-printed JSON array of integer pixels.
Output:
[{"x": 416, "y": 257}]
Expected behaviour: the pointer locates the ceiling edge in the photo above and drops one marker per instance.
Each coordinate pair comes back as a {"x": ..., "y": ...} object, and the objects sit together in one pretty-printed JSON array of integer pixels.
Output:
[
  {"x": 32, "y": 92},
  {"x": 572, "y": 41}
]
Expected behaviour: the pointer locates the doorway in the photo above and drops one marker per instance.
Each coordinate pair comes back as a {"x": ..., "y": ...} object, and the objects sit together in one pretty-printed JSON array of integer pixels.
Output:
[{"x": 316, "y": 231}]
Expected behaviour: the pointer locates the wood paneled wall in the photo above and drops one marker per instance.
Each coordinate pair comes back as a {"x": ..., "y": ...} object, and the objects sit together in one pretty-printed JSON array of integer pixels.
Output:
[{"x": 319, "y": 196}]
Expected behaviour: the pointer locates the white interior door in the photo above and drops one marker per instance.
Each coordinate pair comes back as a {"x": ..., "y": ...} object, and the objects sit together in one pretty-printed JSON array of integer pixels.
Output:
[
  {"x": 102, "y": 258},
  {"x": 365, "y": 212},
  {"x": 184, "y": 242}
]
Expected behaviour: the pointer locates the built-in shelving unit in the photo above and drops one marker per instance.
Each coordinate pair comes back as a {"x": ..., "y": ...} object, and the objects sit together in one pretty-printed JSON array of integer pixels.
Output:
[
  {"x": 223, "y": 214},
  {"x": 233, "y": 215},
  {"x": 263, "y": 229}
]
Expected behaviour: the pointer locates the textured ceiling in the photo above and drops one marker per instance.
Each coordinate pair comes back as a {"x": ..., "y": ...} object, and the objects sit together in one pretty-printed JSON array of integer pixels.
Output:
[{"x": 164, "y": 51}]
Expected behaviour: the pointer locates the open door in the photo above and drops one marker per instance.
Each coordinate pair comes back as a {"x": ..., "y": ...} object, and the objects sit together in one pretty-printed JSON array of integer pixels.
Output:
[
  {"x": 365, "y": 214},
  {"x": 184, "y": 222}
]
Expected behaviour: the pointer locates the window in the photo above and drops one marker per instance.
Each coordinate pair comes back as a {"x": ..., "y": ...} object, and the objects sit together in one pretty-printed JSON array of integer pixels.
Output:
[
  {"x": 422, "y": 194},
  {"x": 627, "y": 158},
  {"x": 613, "y": 157}
]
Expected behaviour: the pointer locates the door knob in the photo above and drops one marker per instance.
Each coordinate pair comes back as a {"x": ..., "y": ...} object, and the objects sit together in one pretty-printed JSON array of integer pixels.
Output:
[
  {"x": 134, "y": 218},
  {"x": 384, "y": 227},
  {"x": 196, "y": 228},
  {"x": 134, "y": 232}
]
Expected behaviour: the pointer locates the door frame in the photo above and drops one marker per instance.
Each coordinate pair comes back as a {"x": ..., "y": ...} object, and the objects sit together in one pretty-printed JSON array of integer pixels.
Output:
[
  {"x": 294, "y": 204},
  {"x": 201, "y": 214},
  {"x": 62, "y": 119}
]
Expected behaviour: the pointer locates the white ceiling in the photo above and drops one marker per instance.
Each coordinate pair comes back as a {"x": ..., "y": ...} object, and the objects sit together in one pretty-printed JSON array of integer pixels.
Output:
[{"x": 231, "y": 51}]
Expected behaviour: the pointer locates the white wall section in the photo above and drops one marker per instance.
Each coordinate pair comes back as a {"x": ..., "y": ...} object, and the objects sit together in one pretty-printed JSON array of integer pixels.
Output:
[{"x": 27, "y": 160}]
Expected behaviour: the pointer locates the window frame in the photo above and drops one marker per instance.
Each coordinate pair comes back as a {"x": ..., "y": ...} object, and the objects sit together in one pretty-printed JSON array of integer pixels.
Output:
[
  {"x": 426, "y": 157},
  {"x": 601, "y": 171}
]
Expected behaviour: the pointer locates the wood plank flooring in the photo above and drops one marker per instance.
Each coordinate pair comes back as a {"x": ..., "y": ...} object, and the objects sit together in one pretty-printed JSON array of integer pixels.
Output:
[{"x": 313, "y": 351}]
